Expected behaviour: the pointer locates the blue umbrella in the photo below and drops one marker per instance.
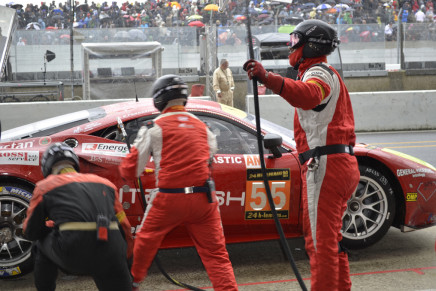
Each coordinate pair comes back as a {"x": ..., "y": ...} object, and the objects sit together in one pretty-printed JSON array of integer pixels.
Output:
[
  {"x": 308, "y": 5},
  {"x": 57, "y": 10},
  {"x": 323, "y": 6}
]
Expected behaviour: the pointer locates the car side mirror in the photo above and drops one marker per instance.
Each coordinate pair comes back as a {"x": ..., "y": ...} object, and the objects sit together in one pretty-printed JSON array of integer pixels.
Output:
[{"x": 272, "y": 142}]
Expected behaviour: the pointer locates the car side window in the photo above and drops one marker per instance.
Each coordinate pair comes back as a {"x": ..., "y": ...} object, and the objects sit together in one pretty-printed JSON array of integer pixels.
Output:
[{"x": 231, "y": 139}]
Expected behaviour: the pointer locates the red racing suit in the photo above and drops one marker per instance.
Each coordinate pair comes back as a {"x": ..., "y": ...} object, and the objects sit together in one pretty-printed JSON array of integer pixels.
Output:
[
  {"x": 182, "y": 147},
  {"x": 327, "y": 187}
]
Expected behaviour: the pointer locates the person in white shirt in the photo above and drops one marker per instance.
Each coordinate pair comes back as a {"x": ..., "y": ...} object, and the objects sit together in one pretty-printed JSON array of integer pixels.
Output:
[
  {"x": 420, "y": 16},
  {"x": 388, "y": 31}
]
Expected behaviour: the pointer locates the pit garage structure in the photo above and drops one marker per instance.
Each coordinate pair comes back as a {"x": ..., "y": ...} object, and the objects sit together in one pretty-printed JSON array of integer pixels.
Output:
[{"x": 120, "y": 69}]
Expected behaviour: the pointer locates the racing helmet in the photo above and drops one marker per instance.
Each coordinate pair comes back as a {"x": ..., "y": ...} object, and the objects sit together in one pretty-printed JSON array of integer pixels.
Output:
[
  {"x": 320, "y": 38},
  {"x": 166, "y": 88},
  {"x": 55, "y": 153}
]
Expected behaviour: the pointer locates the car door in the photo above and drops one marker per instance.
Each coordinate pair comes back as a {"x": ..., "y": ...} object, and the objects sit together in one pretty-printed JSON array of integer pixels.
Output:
[{"x": 241, "y": 193}]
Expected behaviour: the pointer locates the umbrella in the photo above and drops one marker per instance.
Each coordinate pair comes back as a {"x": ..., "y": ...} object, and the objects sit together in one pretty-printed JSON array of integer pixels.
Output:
[
  {"x": 331, "y": 2},
  {"x": 17, "y": 6},
  {"x": 266, "y": 21},
  {"x": 323, "y": 6},
  {"x": 341, "y": 6},
  {"x": 348, "y": 2},
  {"x": 211, "y": 7},
  {"x": 240, "y": 17},
  {"x": 33, "y": 25},
  {"x": 332, "y": 10},
  {"x": 58, "y": 10},
  {"x": 308, "y": 5},
  {"x": 51, "y": 28},
  {"x": 103, "y": 15},
  {"x": 175, "y": 3},
  {"x": 196, "y": 23},
  {"x": 263, "y": 16},
  {"x": 194, "y": 17},
  {"x": 136, "y": 34},
  {"x": 66, "y": 36}
]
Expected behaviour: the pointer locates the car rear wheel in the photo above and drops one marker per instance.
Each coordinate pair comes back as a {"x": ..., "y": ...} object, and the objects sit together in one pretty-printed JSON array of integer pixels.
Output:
[
  {"x": 370, "y": 211},
  {"x": 15, "y": 251}
]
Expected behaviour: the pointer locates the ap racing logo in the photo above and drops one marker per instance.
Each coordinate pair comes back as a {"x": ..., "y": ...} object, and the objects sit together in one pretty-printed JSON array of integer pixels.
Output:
[
  {"x": 107, "y": 149},
  {"x": 29, "y": 158}
]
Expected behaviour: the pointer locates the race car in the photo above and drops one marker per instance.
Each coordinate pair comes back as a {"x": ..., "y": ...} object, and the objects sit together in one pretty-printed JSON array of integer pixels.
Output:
[{"x": 394, "y": 189}]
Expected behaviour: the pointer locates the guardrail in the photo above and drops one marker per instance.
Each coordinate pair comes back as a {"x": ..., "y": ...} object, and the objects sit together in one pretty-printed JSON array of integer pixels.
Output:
[{"x": 373, "y": 111}]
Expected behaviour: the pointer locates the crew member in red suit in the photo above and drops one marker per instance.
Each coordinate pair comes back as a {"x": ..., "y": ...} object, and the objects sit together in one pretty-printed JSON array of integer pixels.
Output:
[
  {"x": 324, "y": 134},
  {"x": 182, "y": 147},
  {"x": 79, "y": 225}
]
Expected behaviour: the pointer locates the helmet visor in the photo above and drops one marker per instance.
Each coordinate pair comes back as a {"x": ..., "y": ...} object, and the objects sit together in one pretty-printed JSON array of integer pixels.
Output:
[{"x": 295, "y": 40}]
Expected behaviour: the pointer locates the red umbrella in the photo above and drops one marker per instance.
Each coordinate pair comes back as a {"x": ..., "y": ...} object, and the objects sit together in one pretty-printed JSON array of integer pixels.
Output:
[
  {"x": 64, "y": 36},
  {"x": 196, "y": 23},
  {"x": 51, "y": 27},
  {"x": 241, "y": 17}
]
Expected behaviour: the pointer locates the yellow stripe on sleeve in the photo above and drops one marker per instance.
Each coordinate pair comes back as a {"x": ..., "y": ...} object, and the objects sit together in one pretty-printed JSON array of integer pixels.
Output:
[
  {"x": 319, "y": 85},
  {"x": 121, "y": 216}
]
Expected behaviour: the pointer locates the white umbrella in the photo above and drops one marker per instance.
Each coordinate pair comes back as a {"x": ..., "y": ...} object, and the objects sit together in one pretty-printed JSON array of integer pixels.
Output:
[
  {"x": 33, "y": 25},
  {"x": 342, "y": 6},
  {"x": 323, "y": 6}
]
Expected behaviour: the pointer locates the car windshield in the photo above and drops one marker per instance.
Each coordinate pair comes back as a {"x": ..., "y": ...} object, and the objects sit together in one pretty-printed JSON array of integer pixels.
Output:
[
  {"x": 271, "y": 127},
  {"x": 53, "y": 125}
]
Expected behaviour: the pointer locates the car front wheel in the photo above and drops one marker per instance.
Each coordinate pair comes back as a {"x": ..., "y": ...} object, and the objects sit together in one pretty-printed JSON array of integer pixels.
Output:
[
  {"x": 370, "y": 210},
  {"x": 15, "y": 250}
]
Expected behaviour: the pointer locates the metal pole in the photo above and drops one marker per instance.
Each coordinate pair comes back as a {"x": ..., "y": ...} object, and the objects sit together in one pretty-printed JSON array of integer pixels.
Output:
[{"x": 72, "y": 48}]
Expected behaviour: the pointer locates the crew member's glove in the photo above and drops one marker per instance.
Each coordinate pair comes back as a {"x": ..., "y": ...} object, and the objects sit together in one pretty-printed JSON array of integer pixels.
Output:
[
  {"x": 272, "y": 81},
  {"x": 255, "y": 69}
]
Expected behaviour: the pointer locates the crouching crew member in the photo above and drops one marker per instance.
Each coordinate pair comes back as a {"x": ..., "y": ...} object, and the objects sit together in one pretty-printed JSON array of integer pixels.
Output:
[
  {"x": 182, "y": 147},
  {"x": 324, "y": 134},
  {"x": 79, "y": 225}
]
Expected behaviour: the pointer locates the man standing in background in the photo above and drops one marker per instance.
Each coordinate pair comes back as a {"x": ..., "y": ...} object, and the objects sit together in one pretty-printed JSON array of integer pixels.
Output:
[{"x": 223, "y": 83}]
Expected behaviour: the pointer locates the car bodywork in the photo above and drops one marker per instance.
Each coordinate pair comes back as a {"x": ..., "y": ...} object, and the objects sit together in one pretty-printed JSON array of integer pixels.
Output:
[{"x": 395, "y": 189}]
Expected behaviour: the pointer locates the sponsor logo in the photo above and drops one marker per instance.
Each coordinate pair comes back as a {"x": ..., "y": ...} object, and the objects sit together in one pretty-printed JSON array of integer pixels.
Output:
[
  {"x": 411, "y": 197},
  {"x": 18, "y": 145},
  {"x": 252, "y": 161},
  {"x": 420, "y": 172},
  {"x": 45, "y": 140},
  {"x": 7, "y": 190},
  {"x": 10, "y": 272},
  {"x": 108, "y": 149},
  {"x": 30, "y": 158}
]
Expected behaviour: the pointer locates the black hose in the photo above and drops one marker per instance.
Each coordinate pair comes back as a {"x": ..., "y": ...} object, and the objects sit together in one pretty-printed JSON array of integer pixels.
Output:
[{"x": 279, "y": 228}]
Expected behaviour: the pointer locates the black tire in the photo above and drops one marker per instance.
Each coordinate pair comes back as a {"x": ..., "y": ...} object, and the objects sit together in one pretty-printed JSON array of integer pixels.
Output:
[
  {"x": 370, "y": 211},
  {"x": 15, "y": 251}
]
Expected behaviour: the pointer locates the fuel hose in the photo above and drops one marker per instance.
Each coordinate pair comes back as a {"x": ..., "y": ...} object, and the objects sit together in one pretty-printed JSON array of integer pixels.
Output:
[{"x": 279, "y": 228}]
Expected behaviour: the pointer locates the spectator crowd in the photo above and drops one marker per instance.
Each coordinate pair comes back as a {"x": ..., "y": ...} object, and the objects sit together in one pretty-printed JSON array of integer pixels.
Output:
[{"x": 166, "y": 13}]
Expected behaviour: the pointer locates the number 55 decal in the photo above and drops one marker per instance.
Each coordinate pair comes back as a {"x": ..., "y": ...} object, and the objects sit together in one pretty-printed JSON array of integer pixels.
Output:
[{"x": 256, "y": 200}]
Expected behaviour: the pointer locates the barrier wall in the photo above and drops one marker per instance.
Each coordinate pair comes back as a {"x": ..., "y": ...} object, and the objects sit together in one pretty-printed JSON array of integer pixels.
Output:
[{"x": 373, "y": 111}]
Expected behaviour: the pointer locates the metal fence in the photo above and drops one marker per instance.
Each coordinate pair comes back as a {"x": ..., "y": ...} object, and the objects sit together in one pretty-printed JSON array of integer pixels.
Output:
[{"x": 364, "y": 48}]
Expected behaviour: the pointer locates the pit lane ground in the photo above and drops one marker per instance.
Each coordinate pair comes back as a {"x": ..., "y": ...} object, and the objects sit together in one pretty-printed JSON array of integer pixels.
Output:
[{"x": 398, "y": 262}]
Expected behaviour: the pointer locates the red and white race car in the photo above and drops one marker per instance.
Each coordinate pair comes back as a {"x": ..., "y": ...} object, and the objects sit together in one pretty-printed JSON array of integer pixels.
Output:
[{"x": 394, "y": 190}]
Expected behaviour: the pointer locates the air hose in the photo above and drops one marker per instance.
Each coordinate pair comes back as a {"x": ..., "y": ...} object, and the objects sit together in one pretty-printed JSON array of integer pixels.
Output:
[
  {"x": 138, "y": 183},
  {"x": 279, "y": 228}
]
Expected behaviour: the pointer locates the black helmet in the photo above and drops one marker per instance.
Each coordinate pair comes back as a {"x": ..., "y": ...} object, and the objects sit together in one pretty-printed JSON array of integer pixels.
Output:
[
  {"x": 321, "y": 38},
  {"x": 166, "y": 88},
  {"x": 55, "y": 153}
]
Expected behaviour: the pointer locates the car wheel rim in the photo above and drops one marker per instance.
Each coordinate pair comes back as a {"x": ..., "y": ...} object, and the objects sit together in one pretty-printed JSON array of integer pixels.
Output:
[
  {"x": 366, "y": 211},
  {"x": 14, "y": 248}
]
